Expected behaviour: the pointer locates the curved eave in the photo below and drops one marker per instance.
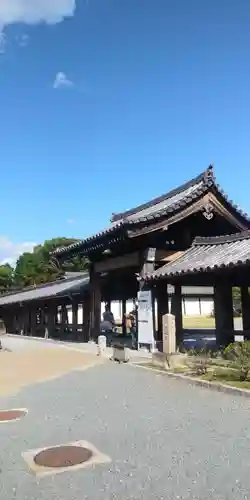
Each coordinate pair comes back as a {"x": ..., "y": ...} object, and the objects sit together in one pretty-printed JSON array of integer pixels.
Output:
[
  {"x": 118, "y": 229},
  {"x": 198, "y": 270},
  {"x": 94, "y": 243},
  {"x": 236, "y": 210},
  {"x": 208, "y": 255}
]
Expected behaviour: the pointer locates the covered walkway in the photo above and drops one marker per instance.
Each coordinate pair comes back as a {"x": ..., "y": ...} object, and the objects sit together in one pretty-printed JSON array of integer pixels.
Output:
[
  {"x": 222, "y": 262},
  {"x": 42, "y": 310}
]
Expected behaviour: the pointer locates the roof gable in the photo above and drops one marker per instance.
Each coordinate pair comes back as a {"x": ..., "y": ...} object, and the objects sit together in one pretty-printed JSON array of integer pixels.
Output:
[
  {"x": 168, "y": 199},
  {"x": 166, "y": 205}
]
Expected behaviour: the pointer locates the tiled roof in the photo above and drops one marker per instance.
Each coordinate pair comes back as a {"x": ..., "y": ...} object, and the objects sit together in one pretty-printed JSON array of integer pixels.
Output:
[
  {"x": 60, "y": 287},
  {"x": 208, "y": 255},
  {"x": 167, "y": 204}
]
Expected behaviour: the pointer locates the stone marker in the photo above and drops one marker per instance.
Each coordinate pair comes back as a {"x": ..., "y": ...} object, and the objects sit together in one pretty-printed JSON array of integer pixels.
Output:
[
  {"x": 169, "y": 334},
  {"x": 102, "y": 344}
]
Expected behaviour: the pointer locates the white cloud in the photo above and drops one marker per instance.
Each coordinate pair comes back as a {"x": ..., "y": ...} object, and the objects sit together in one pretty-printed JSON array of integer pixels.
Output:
[
  {"x": 9, "y": 251},
  {"x": 32, "y": 12},
  {"x": 23, "y": 40},
  {"x": 62, "y": 81},
  {"x": 35, "y": 11},
  {"x": 70, "y": 221},
  {"x": 3, "y": 42}
]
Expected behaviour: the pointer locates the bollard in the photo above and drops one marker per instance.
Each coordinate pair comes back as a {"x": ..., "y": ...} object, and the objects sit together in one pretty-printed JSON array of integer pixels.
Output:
[{"x": 102, "y": 344}]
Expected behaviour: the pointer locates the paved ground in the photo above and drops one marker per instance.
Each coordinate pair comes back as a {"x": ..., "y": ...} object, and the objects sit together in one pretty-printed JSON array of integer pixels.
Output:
[
  {"x": 167, "y": 440},
  {"x": 31, "y": 362}
]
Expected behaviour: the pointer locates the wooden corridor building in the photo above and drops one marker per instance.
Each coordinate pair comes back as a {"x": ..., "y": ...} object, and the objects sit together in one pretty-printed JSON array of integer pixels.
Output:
[
  {"x": 140, "y": 242},
  {"x": 138, "y": 247},
  {"x": 41, "y": 310},
  {"x": 222, "y": 262}
]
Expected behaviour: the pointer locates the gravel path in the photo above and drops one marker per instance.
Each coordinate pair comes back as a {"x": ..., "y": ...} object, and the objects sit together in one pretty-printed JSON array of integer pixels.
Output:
[{"x": 166, "y": 439}]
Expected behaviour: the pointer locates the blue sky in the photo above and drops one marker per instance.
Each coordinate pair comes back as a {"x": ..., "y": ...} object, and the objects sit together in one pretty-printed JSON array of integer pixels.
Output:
[{"x": 108, "y": 103}]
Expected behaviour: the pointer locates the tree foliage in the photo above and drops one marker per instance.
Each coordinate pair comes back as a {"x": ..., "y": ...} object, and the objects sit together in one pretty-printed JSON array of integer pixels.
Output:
[
  {"x": 6, "y": 278},
  {"x": 39, "y": 266}
]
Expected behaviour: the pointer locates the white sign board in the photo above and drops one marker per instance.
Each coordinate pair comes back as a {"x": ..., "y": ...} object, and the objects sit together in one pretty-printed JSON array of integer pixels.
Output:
[{"x": 145, "y": 318}]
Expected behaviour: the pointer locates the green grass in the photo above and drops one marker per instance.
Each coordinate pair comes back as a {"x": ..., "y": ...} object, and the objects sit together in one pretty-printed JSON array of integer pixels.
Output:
[
  {"x": 227, "y": 376},
  {"x": 198, "y": 322}
]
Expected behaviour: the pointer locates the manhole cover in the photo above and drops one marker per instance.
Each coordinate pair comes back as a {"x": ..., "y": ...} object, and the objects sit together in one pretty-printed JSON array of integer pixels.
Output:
[
  {"x": 63, "y": 456},
  {"x": 7, "y": 415}
]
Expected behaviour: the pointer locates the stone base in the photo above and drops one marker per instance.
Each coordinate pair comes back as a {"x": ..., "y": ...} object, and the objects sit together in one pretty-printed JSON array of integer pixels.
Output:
[{"x": 169, "y": 361}]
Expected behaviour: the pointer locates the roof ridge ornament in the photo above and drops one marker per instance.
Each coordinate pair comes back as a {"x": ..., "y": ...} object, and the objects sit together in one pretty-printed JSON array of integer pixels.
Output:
[
  {"x": 208, "y": 211},
  {"x": 209, "y": 176}
]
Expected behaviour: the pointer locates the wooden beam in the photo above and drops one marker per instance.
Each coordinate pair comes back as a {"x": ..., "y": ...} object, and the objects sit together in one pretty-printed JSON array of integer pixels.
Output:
[
  {"x": 167, "y": 255},
  {"x": 113, "y": 263}
]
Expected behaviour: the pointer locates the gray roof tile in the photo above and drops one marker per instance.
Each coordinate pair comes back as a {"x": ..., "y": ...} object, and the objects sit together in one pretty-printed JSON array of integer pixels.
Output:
[
  {"x": 169, "y": 203},
  {"x": 209, "y": 254},
  {"x": 56, "y": 288}
]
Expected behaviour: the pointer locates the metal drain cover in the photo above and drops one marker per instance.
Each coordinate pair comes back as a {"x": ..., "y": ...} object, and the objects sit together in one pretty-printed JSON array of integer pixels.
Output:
[
  {"x": 63, "y": 456},
  {"x": 7, "y": 415}
]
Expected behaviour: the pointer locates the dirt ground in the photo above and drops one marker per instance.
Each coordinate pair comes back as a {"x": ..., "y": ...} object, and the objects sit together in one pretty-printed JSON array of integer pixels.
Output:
[{"x": 19, "y": 369}]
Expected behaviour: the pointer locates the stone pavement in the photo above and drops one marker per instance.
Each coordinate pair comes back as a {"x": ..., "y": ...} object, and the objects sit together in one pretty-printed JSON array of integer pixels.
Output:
[{"x": 167, "y": 440}]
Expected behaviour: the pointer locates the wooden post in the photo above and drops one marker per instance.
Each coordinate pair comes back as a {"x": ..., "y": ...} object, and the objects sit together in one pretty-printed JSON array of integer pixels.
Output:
[
  {"x": 42, "y": 319},
  {"x": 124, "y": 307},
  {"x": 95, "y": 305},
  {"x": 161, "y": 293},
  {"x": 176, "y": 310},
  {"x": 33, "y": 314},
  {"x": 86, "y": 316},
  {"x": 75, "y": 320},
  {"x": 26, "y": 318},
  {"x": 223, "y": 308},
  {"x": 64, "y": 323},
  {"x": 245, "y": 306},
  {"x": 52, "y": 311}
]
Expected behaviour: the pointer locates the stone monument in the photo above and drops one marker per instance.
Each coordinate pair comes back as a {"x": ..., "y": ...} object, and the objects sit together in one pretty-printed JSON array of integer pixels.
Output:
[{"x": 169, "y": 334}]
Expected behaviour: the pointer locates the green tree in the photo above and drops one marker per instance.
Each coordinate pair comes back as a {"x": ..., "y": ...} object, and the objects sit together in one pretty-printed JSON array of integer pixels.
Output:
[
  {"x": 41, "y": 267},
  {"x": 6, "y": 278}
]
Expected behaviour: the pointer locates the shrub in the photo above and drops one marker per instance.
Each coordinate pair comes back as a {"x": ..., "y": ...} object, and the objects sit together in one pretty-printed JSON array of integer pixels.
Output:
[
  {"x": 239, "y": 354},
  {"x": 201, "y": 360}
]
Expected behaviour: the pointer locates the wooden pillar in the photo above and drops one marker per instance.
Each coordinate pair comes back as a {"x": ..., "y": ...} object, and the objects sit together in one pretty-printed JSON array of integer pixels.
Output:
[
  {"x": 124, "y": 310},
  {"x": 161, "y": 293},
  {"x": 75, "y": 319},
  {"x": 26, "y": 320},
  {"x": 245, "y": 306},
  {"x": 86, "y": 317},
  {"x": 95, "y": 306},
  {"x": 223, "y": 309},
  {"x": 52, "y": 312},
  {"x": 33, "y": 315},
  {"x": 86, "y": 310},
  {"x": 176, "y": 310},
  {"x": 42, "y": 321},
  {"x": 64, "y": 322}
]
